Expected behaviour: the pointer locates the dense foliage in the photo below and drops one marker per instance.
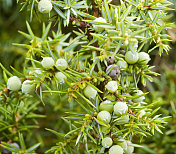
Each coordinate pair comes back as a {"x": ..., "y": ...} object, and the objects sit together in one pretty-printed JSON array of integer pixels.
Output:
[{"x": 79, "y": 78}]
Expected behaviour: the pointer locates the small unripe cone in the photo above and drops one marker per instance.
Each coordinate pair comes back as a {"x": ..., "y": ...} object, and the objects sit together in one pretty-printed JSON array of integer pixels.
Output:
[
  {"x": 104, "y": 116},
  {"x": 122, "y": 65},
  {"x": 144, "y": 58},
  {"x": 98, "y": 28},
  {"x": 95, "y": 113},
  {"x": 106, "y": 106},
  {"x": 14, "y": 83},
  {"x": 110, "y": 60},
  {"x": 139, "y": 99},
  {"x": 88, "y": 78},
  {"x": 61, "y": 64},
  {"x": 112, "y": 86},
  {"x": 28, "y": 87},
  {"x": 120, "y": 108},
  {"x": 115, "y": 73},
  {"x": 131, "y": 57},
  {"x": 95, "y": 80},
  {"x": 45, "y": 6},
  {"x": 90, "y": 92},
  {"x": 60, "y": 77},
  {"x": 47, "y": 62},
  {"x": 106, "y": 142},
  {"x": 116, "y": 149}
]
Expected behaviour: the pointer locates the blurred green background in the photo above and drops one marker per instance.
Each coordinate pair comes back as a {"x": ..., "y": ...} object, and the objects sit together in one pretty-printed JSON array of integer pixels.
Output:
[{"x": 163, "y": 89}]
